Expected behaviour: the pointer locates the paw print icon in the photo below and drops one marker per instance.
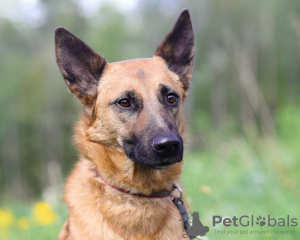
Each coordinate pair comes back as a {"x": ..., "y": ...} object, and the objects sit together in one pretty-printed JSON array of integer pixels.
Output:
[{"x": 261, "y": 221}]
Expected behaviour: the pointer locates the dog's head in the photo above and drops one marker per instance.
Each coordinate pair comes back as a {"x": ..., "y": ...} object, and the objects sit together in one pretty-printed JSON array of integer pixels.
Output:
[{"x": 135, "y": 105}]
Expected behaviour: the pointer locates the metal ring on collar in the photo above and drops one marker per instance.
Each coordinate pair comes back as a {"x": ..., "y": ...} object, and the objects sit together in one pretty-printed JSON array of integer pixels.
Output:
[{"x": 179, "y": 189}]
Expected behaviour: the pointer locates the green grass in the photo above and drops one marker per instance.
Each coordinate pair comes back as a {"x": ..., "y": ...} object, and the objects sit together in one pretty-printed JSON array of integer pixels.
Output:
[
  {"x": 236, "y": 179},
  {"x": 36, "y": 231}
]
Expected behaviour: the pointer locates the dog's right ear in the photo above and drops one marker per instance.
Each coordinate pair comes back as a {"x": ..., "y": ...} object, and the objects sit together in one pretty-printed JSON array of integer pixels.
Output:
[{"x": 80, "y": 66}]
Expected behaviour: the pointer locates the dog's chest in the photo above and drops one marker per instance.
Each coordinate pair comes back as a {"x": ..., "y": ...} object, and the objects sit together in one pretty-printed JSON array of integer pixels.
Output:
[{"x": 115, "y": 215}]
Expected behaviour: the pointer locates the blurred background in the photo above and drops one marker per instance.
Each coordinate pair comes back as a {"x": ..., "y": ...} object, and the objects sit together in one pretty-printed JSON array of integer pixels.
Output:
[{"x": 242, "y": 114}]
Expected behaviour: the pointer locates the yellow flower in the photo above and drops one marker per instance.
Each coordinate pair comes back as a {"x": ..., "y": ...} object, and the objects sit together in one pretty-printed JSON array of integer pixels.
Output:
[
  {"x": 43, "y": 213},
  {"x": 23, "y": 223},
  {"x": 6, "y": 218}
]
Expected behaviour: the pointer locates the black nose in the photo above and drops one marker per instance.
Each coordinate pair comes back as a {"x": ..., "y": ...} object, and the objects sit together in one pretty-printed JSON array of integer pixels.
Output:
[{"x": 166, "y": 145}]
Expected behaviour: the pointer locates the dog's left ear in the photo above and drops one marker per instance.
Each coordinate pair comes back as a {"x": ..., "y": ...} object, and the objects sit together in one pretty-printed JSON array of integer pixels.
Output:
[
  {"x": 177, "y": 48},
  {"x": 80, "y": 66}
]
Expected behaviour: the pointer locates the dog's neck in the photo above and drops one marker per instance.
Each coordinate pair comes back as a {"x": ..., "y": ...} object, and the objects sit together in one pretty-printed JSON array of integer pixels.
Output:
[{"x": 162, "y": 194}]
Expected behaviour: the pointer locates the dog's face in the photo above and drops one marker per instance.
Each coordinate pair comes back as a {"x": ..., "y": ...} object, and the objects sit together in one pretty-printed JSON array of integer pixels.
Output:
[
  {"x": 134, "y": 104},
  {"x": 143, "y": 108}
]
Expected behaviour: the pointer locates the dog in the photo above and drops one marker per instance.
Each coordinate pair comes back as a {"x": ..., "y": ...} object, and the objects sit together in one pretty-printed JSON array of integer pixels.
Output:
[{"x": 128, "y": 138}]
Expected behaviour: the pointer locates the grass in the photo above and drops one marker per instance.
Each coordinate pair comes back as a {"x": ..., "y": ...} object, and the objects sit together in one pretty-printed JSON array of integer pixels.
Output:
[
  {"x": 44, "y": 225},
  {"x": 245, "y": 175},
  {"x": 233, "y": 180}
]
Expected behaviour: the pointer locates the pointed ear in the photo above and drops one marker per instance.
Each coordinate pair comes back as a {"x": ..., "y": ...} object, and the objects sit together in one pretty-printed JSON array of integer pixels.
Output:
[
  {"x": 80, "y": 66},
  {"x": 177, "y": 48}
]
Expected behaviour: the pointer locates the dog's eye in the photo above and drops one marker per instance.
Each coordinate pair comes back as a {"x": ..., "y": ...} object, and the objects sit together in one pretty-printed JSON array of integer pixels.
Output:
[
  {"x": 125, "y": 103},
  {"x": 171, "y": 98}
]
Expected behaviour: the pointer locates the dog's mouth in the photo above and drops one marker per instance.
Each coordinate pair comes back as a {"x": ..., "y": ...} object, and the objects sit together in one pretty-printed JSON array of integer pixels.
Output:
[{"x": 163, "y": 166}]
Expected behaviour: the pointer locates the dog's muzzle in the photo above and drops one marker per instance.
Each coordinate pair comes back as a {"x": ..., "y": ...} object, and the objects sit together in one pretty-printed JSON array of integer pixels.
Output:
[{"x": 159, "y": 152}]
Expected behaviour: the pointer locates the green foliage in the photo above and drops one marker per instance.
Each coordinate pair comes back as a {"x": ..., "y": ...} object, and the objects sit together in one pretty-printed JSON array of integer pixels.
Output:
[
  {"x": 20, "y": 222},
  {"x": 233, "y": 178},
  {"x": 289, "y": 126}
]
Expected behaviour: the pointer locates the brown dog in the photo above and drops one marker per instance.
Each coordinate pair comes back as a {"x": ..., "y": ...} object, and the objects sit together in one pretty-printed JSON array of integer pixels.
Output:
[{"x": 128, "y": 138}]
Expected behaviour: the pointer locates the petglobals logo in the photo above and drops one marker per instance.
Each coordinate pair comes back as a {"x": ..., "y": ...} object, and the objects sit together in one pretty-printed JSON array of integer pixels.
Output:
[
  {"x": 267, "y": 225},
  {"x": 242, "y": 225},
  {"x": 246, "y": 221}
]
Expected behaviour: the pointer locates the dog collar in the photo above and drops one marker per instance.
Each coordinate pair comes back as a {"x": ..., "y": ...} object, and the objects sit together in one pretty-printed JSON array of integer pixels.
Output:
[{"x": 162, "y": 194}]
